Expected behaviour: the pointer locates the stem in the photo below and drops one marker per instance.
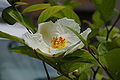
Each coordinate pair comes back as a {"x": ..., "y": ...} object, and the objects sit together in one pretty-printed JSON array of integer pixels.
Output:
[
  {"x": 95, "y": 72},
  {"x": 108, "y": 31},
  {"x": 104, "y": 68},
  {"x": 48, "y": 77}
]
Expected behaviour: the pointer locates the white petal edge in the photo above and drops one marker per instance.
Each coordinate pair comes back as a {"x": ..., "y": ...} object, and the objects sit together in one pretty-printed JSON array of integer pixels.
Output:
[
  {"x": 35, "y": 41},
  {"x": 68, "y": 22}
]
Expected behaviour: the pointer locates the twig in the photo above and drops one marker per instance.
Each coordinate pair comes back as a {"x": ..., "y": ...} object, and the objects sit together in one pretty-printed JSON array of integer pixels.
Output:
[
  {"x": 48, "y": 77},
  {"x": 105, "y": 69},
  {"x": 95, "y": 72},
  {"x": 108, "y": 31}
]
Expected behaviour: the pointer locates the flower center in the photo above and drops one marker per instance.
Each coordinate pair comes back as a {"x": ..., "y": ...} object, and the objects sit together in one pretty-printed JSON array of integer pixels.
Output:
[{"x": 58, "y": 43}]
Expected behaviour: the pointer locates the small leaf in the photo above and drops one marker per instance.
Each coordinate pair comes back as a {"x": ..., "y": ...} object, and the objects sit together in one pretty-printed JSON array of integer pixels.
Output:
[
  {"x": 46, "y": 14},
  {"x": 79, "y": 36},
  {"x": 69, "y": 13},
  {"x": 21, "y": 3},
  {"x": 36, "y": 7},
  {"x": 7, "y": 36},
  {"x": 6, "y": 17}
]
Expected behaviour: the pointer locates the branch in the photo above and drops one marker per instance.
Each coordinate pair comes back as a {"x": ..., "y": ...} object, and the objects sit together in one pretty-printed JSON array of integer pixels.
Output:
[{"x": 108, "y": 31}]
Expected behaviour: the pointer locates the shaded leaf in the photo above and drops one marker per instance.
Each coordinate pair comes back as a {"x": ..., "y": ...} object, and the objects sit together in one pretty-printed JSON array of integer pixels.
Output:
[
  {"x": 105, "y": 11},
  {"x": 13, "y": 1},
  {"x": 97, "y": 21},
  {"x": 22, "y": 20},
  {"x": 6, "y": 17},
  {"x": 112, "y": 59},
  {"x": 83, "y": 76},
  {"x": 52, "y": 3}
]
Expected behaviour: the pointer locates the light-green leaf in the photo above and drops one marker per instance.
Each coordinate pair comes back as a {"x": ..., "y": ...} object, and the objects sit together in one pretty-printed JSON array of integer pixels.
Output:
[
  {"x": 21, "y": 3},
  {"x": 46, "y": 14},
  {"x": 7, "y": 36},
  {"x": 36, "y": 7},
  {"x": 69, "y": 13}
]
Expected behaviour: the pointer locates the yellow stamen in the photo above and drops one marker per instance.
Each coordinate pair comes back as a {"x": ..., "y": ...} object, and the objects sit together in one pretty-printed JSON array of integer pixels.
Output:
[{"x": 58, "y": 43}]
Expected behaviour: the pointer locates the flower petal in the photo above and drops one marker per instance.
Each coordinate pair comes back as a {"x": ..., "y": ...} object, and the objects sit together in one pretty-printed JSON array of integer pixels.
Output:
[
  {"x": 71, "y": 37},
  {"x": 79, "y": 44},
  {"x": 49, "y": 30},
  {"x": 35, "y": 41},
  {"x": 68, "y": 22}
]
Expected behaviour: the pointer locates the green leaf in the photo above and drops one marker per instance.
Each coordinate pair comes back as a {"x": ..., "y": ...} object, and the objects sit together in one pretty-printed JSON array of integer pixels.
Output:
[
  {"x": 60, "y": 78},
  {"x": 105, "y": 7},
  {"x": 75, "y": 60},
  {"x": 97, "y": 21},
  {"x": 93, "y": 33},
  {"x": 46, "y": 14},
  {"x": 112, "y": 59},
  {"x": 84, "y": 67},
  {"x": 24, "y": 50},
  {"x": 52, "y": 2},
  {"x": 83, "y": 76},
  {"x": 114, "y": 32},
  {"x": 66, "y": 2},
  {"x": 71, "y": 3},
  {"x": 13, "y": 1},
  {"x": 104, "y": 47},
  {"x": 69, "y": 13},
  {"x": 79, "y": 36},
  {"x": 21, "y": 3},
  {"x": 6, "y": 17},
  {"x": 116, "y": 41},
  {"x": 36, "y": 7},
  {"x": 22, "y": 20},
  {"x": 74, "y": 4},
  {"x": 7, "y": 36},
  {"x": 99, "y": 77}
]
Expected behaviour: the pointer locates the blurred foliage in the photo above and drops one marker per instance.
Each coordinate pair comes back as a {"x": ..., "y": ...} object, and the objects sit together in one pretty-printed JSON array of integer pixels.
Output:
[{"x": 78, "y": 65}]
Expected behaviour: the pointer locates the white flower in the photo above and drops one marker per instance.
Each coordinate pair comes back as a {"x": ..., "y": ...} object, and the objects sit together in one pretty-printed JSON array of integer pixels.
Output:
[{"x": 52, "y": 38}]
